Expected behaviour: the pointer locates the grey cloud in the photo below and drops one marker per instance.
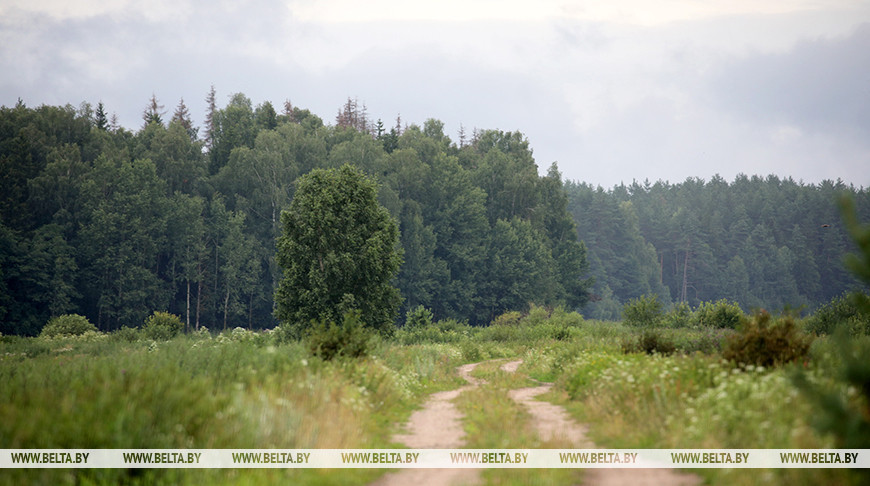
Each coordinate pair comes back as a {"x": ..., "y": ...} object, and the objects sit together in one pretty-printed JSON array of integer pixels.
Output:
[{"x": 821, "y": 84}]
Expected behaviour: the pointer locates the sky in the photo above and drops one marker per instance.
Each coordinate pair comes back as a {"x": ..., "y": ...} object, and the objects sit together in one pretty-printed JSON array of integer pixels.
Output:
[{"x": 612, "y": 91}]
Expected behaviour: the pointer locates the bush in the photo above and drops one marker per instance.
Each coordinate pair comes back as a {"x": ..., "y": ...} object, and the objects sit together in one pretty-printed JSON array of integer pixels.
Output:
[
  {"x": 418, "y": 317},
  {"x": 679, "y": 316},
  {"x": 162, "y": 326},
  {"x": 537, "y": 315},
  {"x": 644, "y": 311},
  {"x": 67, "y": 325},
  {"x": 650, "y": 342},
  {"x": 706, "y": 341},
  {"x": 840, "y": 310},
  {"x": 126, "y": 334},
  {"x": 511, "y": 318},
  {"x": 446, "y": 331},
  {"x": 761, "y": 342},
  {"x": 329, "y": 340},
  {"x": 721, "y": 314},
  {"x": 562, "y": 317}
]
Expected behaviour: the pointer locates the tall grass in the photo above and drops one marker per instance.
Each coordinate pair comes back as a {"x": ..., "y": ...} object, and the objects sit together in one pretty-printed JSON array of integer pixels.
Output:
[
  {"x": 235, "y": 390},
  {"x": 695, "y": 401}
]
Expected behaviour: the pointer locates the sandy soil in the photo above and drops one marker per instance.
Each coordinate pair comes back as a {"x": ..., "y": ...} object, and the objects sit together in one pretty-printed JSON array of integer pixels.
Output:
[
  {"x": 554, "y": 423},
  {"x": 438, "y": 425}
]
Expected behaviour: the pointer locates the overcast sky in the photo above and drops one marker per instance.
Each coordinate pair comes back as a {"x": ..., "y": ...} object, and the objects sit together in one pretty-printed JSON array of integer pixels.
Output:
[{"x": 612, "y": 90}]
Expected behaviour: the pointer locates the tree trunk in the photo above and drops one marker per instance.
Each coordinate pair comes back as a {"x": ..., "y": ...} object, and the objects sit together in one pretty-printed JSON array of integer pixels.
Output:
[
  {"x": 683, "y": 294},
  {"x": 187, "y": 312},
  {"x": 198, "y": 294},
  {"x": 226, "y": 306}
]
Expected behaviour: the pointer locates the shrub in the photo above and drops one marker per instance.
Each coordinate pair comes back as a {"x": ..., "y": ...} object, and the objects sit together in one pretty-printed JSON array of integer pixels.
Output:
[
  {"x": 563, "y": 317},
  {"x": 418, "y": 317},
  {"x": 644, "y": 311},
  {"x": 446, "y": 331},
  {"x": 721, "y": 314},
  {"x": 470, "y": 351},
  {"x": 126, "y": 334},
  {"x": 840, "y": 310},
  {"x": 706, "y": 341},
  {"x": 761, "y": 342},
  {"x": 67, "y": 325},
  {"x": 680, "y": 315},
  {"x": 162, "y": 326},
  {"x": 537, "y": 315},
  {"x": 511, "y": 318},
  {"x": 651, "y": 341},
  {"x": 559, "y": 332},
  {"x": 240, "y": 335},
  {"x": 329, "y": 340},
  {"x": 284, "y": 333}
]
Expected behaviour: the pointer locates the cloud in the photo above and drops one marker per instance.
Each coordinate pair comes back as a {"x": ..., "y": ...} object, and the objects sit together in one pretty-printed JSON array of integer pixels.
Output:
[{"x": 818, "y": 85}]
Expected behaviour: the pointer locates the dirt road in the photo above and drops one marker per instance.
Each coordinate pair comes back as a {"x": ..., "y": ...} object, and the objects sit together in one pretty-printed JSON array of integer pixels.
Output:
[
  {"x": 438, "y": 425},
  {"x": 554, "y": 423}
]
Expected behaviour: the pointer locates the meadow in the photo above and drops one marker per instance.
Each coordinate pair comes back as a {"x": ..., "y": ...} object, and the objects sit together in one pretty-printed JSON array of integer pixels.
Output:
[{"x": 244, "y": 389}]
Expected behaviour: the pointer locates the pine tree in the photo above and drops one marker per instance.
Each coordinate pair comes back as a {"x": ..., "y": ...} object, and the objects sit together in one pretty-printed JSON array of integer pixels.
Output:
[
  {"x": 153, "y": 113},
  {"x": 100, "y": 118},
  {"x": 211, "y": 109},
  {"x": 182, "y": 116}
]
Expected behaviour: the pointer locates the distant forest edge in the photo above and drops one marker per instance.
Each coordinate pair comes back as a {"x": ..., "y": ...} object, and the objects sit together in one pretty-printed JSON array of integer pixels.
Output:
[
  {"x": 766, "y": 243},
  {"x": 113, "y": 224}
]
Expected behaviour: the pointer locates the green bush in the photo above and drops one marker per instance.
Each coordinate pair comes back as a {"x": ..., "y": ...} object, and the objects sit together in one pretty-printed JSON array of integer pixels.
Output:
[
  {"x": 644, "y": 311},
  {"x": 569, "y": 319},
  {"x": 285, "y": 333},
  {"x": 329, "y": 340},
  {"x": 721, "y": 314},
  {"x": 511, "y": 318},
  {"x": 707, "y": 340},
  {"x": 162, "y": 326},
  {"x": 446, "y": 331},
  {"x": 651, "y": 341},
  {"x": 840, "y": 310},
  {"x": 126, "y": 334},
  {"x": 470, "y": 351},
  {"x": 418, "y": 317},
  {"x": 679, "y": 316},
  {"x": 537, "y": 315},
  {"x": 67, "y": 325},
  {"x": 761, "y": 342}
]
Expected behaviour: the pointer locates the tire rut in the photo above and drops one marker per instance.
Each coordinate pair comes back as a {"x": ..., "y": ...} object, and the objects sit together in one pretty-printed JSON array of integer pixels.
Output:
[
  {"x": 554, "y": 423},
  {"x": 437, "y": 425}
]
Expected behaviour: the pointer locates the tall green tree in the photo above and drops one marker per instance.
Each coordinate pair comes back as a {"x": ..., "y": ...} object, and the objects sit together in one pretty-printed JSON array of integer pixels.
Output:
[
  {"x": 339, "y": 251},
  {"x": 121, "y": 240}
]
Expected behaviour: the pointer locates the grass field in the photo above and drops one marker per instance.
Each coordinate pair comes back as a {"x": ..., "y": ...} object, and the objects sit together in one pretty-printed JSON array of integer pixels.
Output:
[{"x": 241, "y": 389}]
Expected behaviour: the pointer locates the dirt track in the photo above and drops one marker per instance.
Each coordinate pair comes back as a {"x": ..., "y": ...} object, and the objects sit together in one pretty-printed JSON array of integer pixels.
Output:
[
  {"x": 438, "y": 425},
  {"x": 554, "y": 423}
]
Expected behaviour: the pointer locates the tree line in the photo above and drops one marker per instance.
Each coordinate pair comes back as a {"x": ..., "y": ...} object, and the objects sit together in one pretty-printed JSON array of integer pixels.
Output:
[
  {"x": 762, "y": 242},
  {"x": 115, "y": 224}
]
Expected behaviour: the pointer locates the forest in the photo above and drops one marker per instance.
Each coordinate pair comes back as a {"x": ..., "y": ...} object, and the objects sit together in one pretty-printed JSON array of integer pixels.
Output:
[
  {"x": 112, "y": 224},
  {"x": 762, "y": 242}
]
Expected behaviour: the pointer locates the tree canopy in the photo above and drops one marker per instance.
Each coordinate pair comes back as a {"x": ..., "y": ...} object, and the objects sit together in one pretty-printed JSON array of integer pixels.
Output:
[
  {"x": 114, "y": 225},
  {"x": 339, "y": 252}
]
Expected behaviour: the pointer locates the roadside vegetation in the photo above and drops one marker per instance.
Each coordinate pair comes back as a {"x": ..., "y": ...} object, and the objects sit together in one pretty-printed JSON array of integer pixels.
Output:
[{"x": 245, "y": 389}]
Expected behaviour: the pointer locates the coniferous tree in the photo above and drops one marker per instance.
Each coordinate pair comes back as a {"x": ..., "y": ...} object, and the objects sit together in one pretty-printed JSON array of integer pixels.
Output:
[
  {"x": 100, "y": 119},
  {"x": 153, "y": 112}
]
